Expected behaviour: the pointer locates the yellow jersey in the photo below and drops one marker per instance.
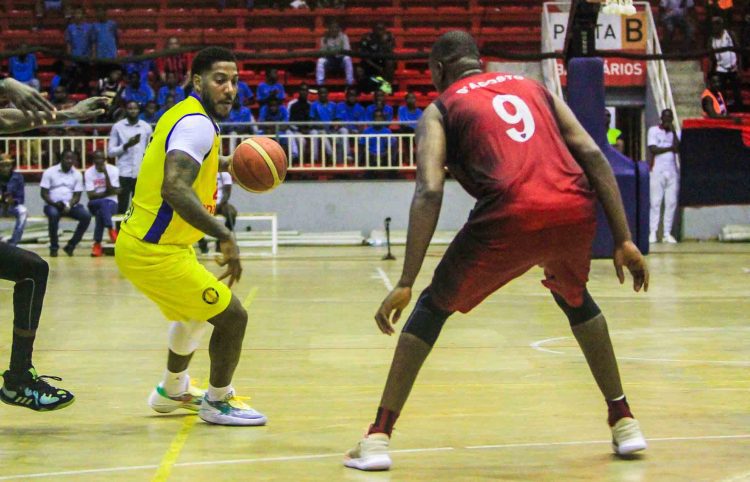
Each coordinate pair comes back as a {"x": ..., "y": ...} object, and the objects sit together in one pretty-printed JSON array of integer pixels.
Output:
[{"x": 150, "y": 218}]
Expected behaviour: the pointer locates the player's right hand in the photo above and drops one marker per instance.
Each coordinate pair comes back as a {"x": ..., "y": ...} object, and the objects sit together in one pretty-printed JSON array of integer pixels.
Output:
[
  {"x": 394, "y": 304},
  {"x": 627, "y": 254},
  {"x": 230, "y": 257},
  {"x": 28, "y": 100},
  {"x": 90, "y": 108}
]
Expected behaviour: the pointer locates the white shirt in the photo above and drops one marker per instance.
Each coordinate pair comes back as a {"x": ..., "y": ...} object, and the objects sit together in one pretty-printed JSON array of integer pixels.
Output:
[
  {"x": 658, "y": 137},
  {"x": 193, "y": 135},
  {"x": 725, "y": 61},
  {"x": 95, "y": 180},
  {"x": 222, "y": 179},
  {"x": 128, "y": 162},
  {"x": 61, "y": 184}
]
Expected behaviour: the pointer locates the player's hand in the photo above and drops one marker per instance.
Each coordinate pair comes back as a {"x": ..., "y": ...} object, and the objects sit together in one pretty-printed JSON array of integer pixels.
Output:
[
  {"x": 89, "y": 108},
  {"x": 230, "y": 257},
  {"x": 28, "y": 100},
  {"x": 393, "y": 304},
  {"x": 628, "y": 255}
]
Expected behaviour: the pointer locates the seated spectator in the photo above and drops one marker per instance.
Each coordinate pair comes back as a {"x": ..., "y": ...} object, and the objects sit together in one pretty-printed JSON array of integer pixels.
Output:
[
  {"x": 351, "y": 111},
  {"x": 150, "y": 112},
  {"x": 78, "y": 38},
  {"x": 409, "y": 114},
  {"x": 332, "y": 44},
  {"x": 102, "y": 182},
  {"x": 111, "y": 86},
  {"x": 299, "y": 111},
  {"x": 270, "y": 87},
  {"x": 170, "y": 87},
  {"x": 23, "y": 68},
  {"x": 273, "y": 111},
  {"x": 244, "y": 92},
  {"x": 60, "y": 98},
  {"x": 378, "y": 42},
  {"x": 136, "y": 91},
  {"x": 223, "y": 208},
  {"x": 674, "y": 14},
  {"x": 376, "y": 149},
  {"x": 379, "y": 104},
  {"x": 178, "y": 64},
  {"x": 104, "y": 32},
  {"x": 237, "y": 123},
  {"x": 724, "y": 64},
  {"x": 12, "y": 197},
  {"x": 168, "y": 104},
  {"x": 712, "y": 101},
  {"x": 61, "y": 189},
  {"x": 142, "y": 67},
  {"x": 323, "y": 111}
]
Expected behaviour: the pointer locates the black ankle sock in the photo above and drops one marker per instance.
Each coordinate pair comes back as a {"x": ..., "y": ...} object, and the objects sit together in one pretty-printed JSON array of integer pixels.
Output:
[{"x": 20, "y": 356}]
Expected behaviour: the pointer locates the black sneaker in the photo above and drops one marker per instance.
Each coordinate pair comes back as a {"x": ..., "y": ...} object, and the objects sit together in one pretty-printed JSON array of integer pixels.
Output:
[
  {"x": 69, "y": 250},
  {"x": 53, "y": 253},
  {"x": 32, "y": 391}
]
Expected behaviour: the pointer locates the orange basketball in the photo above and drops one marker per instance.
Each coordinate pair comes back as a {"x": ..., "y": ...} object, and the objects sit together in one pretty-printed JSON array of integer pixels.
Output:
[{"x": 258, "y": 164}]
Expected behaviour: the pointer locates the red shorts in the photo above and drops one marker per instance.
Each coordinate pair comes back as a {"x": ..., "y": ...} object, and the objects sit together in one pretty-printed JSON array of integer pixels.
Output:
[{"x": 473, "y": 268}]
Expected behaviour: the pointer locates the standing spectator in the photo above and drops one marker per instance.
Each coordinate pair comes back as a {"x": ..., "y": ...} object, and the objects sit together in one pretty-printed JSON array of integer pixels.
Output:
[
  {"x": 102, "y": 182},
  {"x": 13, "y": 197},
  {"x": 127, "y": 143},
  {"x": 150, "y": 112},
  {"x": 105, "y": 36},
  {"x": 379, "y": 104},
  {"x": 614, "y": 135},
  {"x": 23, "y": 68},
  {"x": 223, "y": 208},
  {"x": 724, "y": 64},
  {"x": 270, "y": 87},
  {"x": 144, "y": 67},
  {"x": 674, "y": 14},
  {"x": 712, "y": 101},
  {"x": 61, "y": 189},
  {"x": 136, "y": 91},
  {"x": 663, "y": 144},
  {"x": 178, "y": 63},
  {"x": 78, "y": 37},
  {"x": 299, "y": 111},
  {"x": 244, "y": 92},
  {"x": 376, "y": 149},
  {"x": 409, "y": 114},
  {"x": 170, "y": 87},
  {"x": 378, "y": 42},
  {"x": 332, "y": 44}
]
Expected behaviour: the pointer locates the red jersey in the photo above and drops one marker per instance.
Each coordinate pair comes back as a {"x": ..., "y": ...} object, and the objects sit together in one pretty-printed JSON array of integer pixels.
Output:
[{"x": 505, "y": 148}]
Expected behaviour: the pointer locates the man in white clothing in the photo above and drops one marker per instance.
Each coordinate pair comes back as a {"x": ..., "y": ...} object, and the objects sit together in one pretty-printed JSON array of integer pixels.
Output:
[
  {"x": 127, "y": 143},
  {"x": 332, "y": 44},
  {"x": 102, "y": 182},
  {"x": 663, "y": 144}
]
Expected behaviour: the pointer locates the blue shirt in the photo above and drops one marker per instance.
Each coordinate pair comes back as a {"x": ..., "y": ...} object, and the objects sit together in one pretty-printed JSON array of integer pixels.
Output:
[
  {"x": 105, "y": 37},
  {"x": 387, "y": 112},
  {"x": 372, "y": 144},
  {"x": 14, "y": 186},
  {"x": 265, "y": 90},
  {"x": 281, "y": 116},
  {"x": 179, "y": 94},
  {"x": 143, "y": 67},
  {"x": 350, "y": 113},
  {"x": 79, "y": 39},
  {"x": 242, "y": 114},
  {"x": 22, "y": 71},
  {"x": 410, "y": 118},
  {"x": 151, "y": 119},
  {"x": 244, "y": 92},
  {"x": 323, "y": 113},
  {"x": 143, "y": 94}
]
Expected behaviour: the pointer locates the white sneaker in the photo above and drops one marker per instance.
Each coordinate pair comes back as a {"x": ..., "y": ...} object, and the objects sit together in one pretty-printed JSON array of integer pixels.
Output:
[
  {"x": 371, "y": 453},
  {"x": 652, "y": 238},
  {"x": 668, "y": 238},
  {"x": 230, "y": 411},
  {"x": 162, "y": 402},
  {"x": 627, "y": 437}
]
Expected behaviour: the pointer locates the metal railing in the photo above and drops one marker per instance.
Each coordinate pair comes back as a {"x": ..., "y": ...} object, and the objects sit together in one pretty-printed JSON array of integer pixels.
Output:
[{"x": 550, "y": 70}]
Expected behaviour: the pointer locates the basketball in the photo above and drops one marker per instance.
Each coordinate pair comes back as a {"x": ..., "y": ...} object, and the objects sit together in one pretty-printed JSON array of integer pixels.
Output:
[{"x": 258, "y": 164}]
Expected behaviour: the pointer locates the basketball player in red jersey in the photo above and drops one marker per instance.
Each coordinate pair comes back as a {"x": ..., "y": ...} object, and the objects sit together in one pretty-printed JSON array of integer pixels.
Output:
[{"x": 536, "y": 175}]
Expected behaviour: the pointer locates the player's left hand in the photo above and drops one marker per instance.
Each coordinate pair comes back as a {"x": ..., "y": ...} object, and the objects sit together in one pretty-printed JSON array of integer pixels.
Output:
[
  {"x": 627, "y": 254},
  {"x": 90, "y": 108},
  {"x": 28, "y": 100},
  {"x": 393, "y": 304}
]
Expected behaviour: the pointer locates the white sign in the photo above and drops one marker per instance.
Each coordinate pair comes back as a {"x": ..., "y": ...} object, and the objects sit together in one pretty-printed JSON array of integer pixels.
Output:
[{"x": 613, "y": 32}]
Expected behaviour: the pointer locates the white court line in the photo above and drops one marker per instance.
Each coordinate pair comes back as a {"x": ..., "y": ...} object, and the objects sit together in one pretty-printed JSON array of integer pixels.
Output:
[
  {"x": 737, "y": 478},
  {"x": 293, "y": 458},
  {"x": 386, "y": 280}
]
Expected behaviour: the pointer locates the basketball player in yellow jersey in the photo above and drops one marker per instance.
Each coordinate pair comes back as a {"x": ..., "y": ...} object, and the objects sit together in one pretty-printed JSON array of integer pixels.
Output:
[{"x": 172, "y": 208}]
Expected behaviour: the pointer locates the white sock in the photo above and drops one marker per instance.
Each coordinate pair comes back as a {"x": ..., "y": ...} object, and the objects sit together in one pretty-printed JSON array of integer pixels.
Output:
[
  {"x": 175, "y": 383},
  {"x": 218, "y": 393}
]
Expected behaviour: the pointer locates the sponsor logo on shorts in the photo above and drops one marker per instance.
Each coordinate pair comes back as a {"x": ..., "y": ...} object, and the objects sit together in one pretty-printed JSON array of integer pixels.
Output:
[{"x": 210, "y": 296}]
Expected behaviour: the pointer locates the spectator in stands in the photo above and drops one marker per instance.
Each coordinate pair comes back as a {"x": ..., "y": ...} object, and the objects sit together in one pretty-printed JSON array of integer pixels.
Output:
[
  {"x": 179, "y": 63},
  {"x": 168, "y": 104},
  {"x": 712, "y": 101},
  {"x": 299, "y": 5},
  {"x": 244, "y": 93},
  {"x": 376, "y": 149},
  {"x": 23, "y": 68},
  {"x": 409, "y": 114},
  {"x": 350, "y": 111},
  {"x": 137, "y": 91},
  {"x": 170, "y": 87},
  {"x": 60, "y": 98},
  {"x": 322, "y": 111},
  {"x": 663, "y": 144},
  {"x": 127, "y": 143},
  {"x": 79, "y": 40},
  {"x": 12, "y": 197},
  {"x": 270, "y": 87},
  {"x": 142, "y": 67},
  {"x": 102, "y": 183},
  {"x": 332, "y": 44},
  {"x": 239, "y": 115},
  {"x": 724, "y": 64},
  {"x": 299, "y": 111},
  {"x": 720, "y": 8},
  {"x": 273, "y": 111},
  {"x": 61, "y": 189},
  {"x": 105, "y": 36},
  {"x": 378, "y": 42},
  {"x": 223, "y": 208},
  {"x": 42, "y": 7},
  {"x": 111, "y": 86},
  {"x": 379, "y": 104},
  {"x": 614, "y": 135},
  {"x": 674, "y": 14},
  {"x": 150, "y": 112}
]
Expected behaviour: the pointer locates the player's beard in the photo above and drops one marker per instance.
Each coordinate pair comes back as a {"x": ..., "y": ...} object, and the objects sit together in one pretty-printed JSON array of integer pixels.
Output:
[{"x": 211, "y": 109}]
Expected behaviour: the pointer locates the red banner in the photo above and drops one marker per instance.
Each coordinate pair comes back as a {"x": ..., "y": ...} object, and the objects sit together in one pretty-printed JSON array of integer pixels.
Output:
[{"x": 618, "y": 72}]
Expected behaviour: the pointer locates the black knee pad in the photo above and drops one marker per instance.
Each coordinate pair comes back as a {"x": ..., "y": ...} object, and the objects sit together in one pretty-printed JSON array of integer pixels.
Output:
[
  {"x": 581, "y": 314},
  {"x": 426, "y": 320}
]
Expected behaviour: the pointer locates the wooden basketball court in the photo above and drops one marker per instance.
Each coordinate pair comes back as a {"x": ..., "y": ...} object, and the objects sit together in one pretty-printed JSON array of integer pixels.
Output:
[{"x": 505, "y": 395}]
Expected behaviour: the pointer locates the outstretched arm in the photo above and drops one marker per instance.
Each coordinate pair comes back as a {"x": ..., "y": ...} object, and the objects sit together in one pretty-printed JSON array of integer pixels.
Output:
[{"x": 15, "y": 120}]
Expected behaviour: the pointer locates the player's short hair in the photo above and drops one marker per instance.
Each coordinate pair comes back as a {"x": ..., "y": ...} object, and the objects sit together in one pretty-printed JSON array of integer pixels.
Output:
[
  {"x": 206, "y": 58},
  {"x": 454, "y": 45}
]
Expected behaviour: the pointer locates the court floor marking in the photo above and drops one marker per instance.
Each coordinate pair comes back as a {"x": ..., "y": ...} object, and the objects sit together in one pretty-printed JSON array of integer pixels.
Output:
[
  {"x": 426, "y": 450},
  {"x": 386, "y": 280}
]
